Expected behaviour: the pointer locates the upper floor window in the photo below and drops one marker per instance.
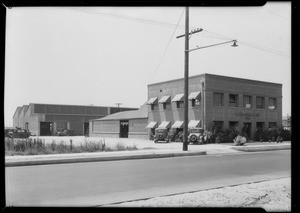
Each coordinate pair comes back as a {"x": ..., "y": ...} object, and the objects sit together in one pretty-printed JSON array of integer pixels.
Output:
[
  {"x": 260, "y": 102},
  {"x": 272, "y": 103},
  {"x": 247, "y": 101},
  {"x": 195, "y": 102},
  {"x": 166, "y": 105},
  {"x": 179, "y": 104},
  {"x": 233, "y": 100},
  {"x": 218, "y": 99}
]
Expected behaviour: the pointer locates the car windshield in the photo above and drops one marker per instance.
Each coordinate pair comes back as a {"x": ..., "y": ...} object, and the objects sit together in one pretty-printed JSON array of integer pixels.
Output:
[
  {"x": 160, "y": 130},
  {"x": 196, "y": 131}
]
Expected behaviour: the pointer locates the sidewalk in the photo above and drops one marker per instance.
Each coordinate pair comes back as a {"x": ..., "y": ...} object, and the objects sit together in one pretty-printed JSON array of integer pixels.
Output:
[{"x": 146, "y": 150}]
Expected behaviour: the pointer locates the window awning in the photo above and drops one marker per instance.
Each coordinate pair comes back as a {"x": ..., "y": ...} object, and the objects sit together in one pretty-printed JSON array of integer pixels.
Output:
[
  {"x": 194, "y": 123},
  {"x": 151, "y": 125},
  {"x": 178, "y": 97},
  {"x": 152, "y": 101},
  {"x": 194, "y": 95},
  {"x": 164, "y": 124},
  {"x": 177, "y": 124},
  {"x": 165, "y": 99}
]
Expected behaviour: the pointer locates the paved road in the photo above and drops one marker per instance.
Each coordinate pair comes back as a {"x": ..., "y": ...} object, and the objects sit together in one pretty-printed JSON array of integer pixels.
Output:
[{"x": 98, "y": 183}]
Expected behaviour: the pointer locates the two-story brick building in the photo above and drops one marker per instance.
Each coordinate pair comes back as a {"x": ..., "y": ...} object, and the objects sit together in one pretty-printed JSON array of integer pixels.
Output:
[{"x": 226, "y": 101}]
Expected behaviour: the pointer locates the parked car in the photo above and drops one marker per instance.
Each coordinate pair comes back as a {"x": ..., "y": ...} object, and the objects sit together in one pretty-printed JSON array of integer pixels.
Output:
[
  {"x": 161, "y": 134},
  {"x": 196, "y": 136},
  {"x": 17, "y": 133},
  {"x": 65, "y": 132}
]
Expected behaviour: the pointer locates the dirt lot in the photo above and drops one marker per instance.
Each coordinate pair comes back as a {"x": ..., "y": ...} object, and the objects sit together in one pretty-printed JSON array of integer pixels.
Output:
[{"x": 274, "y": 195}]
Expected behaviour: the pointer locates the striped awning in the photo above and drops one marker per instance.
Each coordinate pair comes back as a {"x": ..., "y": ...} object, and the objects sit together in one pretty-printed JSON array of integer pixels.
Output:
[
  {"x": 177, "y": 124},
  {"x": 165, "y": 124},
  {"x": 194, "y": 95},
  {"x": 165, "y": 99},
  {"x": 152, "y": 124},
  {"x": 152, "y": 101},
  {"x": 178, "y": 97},
  {"x": 194, "y": 123}
]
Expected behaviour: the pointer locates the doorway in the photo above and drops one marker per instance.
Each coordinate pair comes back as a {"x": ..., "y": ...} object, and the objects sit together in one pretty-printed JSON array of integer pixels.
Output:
[
  {"x": 86, "y": 128},
  {"x": 46, "y": 128},
  {"x": 124, "y": 129},
  {"x": 247, "y": 129}
]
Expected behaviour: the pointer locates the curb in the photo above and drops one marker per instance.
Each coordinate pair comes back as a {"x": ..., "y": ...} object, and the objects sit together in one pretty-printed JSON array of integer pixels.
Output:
[
  {"x": 264, "y": 148},
  {"x": 96, "y": 159}
]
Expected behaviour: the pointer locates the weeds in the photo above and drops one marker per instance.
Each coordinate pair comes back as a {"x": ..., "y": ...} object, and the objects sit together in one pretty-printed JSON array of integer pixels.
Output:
[{"x": 38, "y": 146}]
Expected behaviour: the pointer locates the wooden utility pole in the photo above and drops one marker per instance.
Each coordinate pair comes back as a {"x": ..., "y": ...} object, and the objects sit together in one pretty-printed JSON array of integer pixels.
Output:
[{"x": 186, "y": 81}]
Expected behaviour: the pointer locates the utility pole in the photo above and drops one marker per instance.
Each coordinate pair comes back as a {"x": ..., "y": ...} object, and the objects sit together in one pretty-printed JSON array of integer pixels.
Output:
[
  {"x": 186, "y": 74},
  {"x": 186, "y": 81}
]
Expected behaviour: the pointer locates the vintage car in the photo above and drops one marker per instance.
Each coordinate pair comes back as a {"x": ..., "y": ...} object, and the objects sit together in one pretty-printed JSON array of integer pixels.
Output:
[
  {"x": 17, "y": 133},
  {"x": 196, "y": 136},
  {"x": 65, "y": 132},
  {"x": 161, "y": 134}
]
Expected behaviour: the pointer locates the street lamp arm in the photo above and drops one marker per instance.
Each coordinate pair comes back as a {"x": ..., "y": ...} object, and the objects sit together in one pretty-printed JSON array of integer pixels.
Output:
[{"x": 212, "y": 45}]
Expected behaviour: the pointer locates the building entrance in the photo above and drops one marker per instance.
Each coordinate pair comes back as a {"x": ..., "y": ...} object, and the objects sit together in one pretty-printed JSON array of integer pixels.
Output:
[
  {"x": 46, "y": 128},
  {"x": 86, "y": 128},
  {"x": 247, "y": 129},
  {"x": 124, "y": 129}
]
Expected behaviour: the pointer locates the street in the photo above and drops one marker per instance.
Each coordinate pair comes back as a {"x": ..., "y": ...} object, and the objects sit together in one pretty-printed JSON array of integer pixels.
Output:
[{"x": 98, "y": 183}]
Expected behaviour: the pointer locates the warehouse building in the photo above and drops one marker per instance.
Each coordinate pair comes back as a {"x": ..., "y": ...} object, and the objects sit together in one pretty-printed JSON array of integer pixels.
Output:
[
  {"x": 129, "y": 124},
  {"x": 46, "y": 119},
  {"x": 224, "y": 101}
]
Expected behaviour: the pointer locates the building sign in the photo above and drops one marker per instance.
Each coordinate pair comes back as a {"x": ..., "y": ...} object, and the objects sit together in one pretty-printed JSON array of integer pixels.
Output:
[
  {"x": 247, "y": 114},
  {"x": 124, "y": 123}
]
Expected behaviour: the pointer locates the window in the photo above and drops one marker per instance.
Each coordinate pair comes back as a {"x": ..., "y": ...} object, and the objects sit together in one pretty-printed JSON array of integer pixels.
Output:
[
  {"x": 272, "y": 125},
  {"x": 26, "y": 125},
  {"x": 247, "y": 101},
  {"x": 153, "y": 106},
  {"x": 260, "y": 102},
  {"x": 179, "y": 104},
  {"x": 272, "y": 103},
  {"x": 260, "y": 126},
  {"x": 233, "y": 100},
  {"x": 195, "y": 102},
  {"x": 218, "y": 125},
  {"x": 218, "y": 99},
  {"x": 166, "y": 105},
  {"x": 233, "y": 124}
]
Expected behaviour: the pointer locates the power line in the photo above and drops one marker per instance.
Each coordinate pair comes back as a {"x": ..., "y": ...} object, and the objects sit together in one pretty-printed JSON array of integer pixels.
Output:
[
  {"x": 276, "y": 14},
  {"x": 165, "y": 24},
  {"x": 166, "y": 48}
]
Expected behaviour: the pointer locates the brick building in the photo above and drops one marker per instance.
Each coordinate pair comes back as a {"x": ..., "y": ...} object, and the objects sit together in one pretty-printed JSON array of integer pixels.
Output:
[
  {"x": 46, "y": 119},
  {"x": 226, "y": 101}
]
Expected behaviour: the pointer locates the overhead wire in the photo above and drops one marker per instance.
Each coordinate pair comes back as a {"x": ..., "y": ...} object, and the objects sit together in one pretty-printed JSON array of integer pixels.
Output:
[
  {"x": 166, "y": 48},
  {"x": 208, "y": 34}
]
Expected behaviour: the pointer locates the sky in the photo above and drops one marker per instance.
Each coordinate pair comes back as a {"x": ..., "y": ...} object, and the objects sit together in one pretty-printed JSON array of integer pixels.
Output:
[{"x": 108, "y": 55}]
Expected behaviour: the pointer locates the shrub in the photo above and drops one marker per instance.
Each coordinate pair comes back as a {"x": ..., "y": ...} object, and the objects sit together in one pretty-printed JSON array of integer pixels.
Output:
[{"x": 239, "y": 140}]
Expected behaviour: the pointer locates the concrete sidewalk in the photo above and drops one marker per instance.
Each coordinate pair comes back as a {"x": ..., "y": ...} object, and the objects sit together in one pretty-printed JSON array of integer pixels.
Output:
[{"x": 162, "y": 150}]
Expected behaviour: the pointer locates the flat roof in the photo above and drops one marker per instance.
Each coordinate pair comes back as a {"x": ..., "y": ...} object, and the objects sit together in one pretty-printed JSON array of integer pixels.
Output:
[
  {"x": 85, "y": 105},
  {"x": 217, "y": 76}
]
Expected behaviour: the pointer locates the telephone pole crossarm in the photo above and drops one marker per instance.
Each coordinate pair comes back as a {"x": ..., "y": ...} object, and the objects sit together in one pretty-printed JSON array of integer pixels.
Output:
[{"x": 192, "y": 32}]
